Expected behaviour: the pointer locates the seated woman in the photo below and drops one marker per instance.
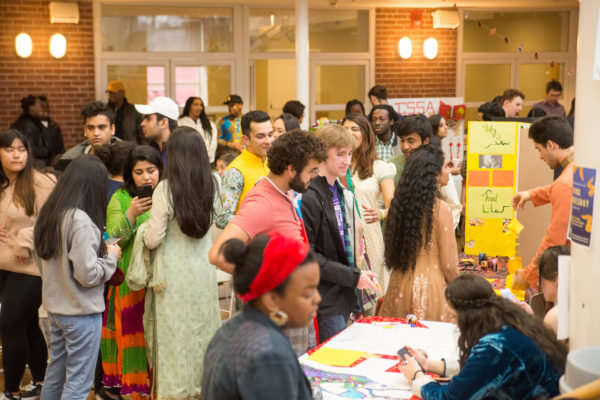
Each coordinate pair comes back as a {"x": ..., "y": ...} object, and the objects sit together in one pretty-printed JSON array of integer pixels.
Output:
[
  {"x": 249, "y": 357},
  {"x": 420, "y": 246},
  {"x": 548, "y": 268},
  {"x": 504, "y": 352}
]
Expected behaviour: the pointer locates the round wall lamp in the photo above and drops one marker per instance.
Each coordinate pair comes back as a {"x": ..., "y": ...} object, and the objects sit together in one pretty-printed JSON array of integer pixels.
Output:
[
  {"x": 430, "y": 48},
  {"x": 58, "y": 45},
  {"x": 405, "y": 47},
  {"x": 23, "y": 45}
]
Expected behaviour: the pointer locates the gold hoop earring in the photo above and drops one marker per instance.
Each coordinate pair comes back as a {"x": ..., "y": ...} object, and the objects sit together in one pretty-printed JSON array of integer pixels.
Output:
[{"x": 279, "y": 318}]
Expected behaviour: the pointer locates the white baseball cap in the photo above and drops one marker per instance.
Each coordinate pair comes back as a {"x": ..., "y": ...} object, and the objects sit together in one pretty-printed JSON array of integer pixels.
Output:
[{"x": 161, "y": 105}]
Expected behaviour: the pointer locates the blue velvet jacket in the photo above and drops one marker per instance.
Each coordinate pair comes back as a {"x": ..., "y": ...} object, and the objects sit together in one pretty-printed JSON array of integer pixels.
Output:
[{"x": 502, "y": 365}]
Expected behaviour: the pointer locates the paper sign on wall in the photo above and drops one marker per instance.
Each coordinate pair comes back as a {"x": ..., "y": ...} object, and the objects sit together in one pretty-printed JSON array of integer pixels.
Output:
[
  {"x": 582, "y": 205},
  {"x": 491, "y": 173}
]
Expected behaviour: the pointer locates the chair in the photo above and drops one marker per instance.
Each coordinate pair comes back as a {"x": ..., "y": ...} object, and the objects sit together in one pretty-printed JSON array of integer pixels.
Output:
[
  {"x": 223, "y": 278},
  {"x": 538, "y": 305}
]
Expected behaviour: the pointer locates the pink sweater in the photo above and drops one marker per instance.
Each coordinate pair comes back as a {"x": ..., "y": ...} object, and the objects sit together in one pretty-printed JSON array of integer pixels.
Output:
[{"x": 20, "y": 226}]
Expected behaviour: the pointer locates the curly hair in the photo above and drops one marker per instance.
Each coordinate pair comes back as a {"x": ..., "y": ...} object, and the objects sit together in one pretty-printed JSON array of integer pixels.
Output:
[
  {"x": 295, "y": 148},
  {"x": 363, "y": 156},
  {"x": 480, "y": 312},
  {"x": 411, "y": 214}
]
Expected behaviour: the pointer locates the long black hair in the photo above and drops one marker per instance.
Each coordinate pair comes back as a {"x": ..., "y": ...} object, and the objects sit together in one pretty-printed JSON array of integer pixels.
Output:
[
  {"x": 83, "y": 185},
  {"x": 140, "y": 153},
  {"x": 411, "y": 214},
  {"x": 24, "y": 193},
  {"x": 480, "y": 312},
  {"x": 203, "y": 118},
  {"x": 191, "y": 182}
]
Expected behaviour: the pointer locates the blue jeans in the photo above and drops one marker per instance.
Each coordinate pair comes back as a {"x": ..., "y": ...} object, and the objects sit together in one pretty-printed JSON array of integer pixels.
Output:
[
  {"x": 330, "y": 325},
  {"x": 74, "y": 346}
]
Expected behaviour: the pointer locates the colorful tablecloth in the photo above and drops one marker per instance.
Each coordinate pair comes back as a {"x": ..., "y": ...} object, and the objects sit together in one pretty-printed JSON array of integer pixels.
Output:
[{"x": 361, "y": 362}]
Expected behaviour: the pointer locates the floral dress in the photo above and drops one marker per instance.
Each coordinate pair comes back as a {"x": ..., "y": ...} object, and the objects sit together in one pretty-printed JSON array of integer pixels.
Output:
[
  {"x": 368, "y": 192},
  {"x": 184, "y": 315}
]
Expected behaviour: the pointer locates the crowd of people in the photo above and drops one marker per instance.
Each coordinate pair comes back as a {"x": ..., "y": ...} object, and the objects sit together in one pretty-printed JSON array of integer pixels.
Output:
[{"x": 108, "y": 270}]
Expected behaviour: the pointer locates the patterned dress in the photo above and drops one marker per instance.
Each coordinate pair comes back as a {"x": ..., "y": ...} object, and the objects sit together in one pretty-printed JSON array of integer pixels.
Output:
[
  {"x": 420, "y": 291},
  {"x": 368, "y": 193},
  {"x": 123, "y": 346},
  {"x": 182, "y": 318}
]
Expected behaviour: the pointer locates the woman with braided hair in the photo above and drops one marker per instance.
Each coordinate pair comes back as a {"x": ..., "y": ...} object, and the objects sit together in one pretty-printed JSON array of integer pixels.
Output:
[
  {"x": 420, "y": 247},
  {"x": 505, "y": 353}
]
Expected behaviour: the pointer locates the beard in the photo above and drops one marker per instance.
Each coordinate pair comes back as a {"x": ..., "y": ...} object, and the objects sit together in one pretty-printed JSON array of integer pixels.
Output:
[{"x": 297, "y": 185}]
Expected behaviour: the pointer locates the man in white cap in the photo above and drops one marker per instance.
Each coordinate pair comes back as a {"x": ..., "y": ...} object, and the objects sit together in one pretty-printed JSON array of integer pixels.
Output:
[{"x": 160, "y": 119}]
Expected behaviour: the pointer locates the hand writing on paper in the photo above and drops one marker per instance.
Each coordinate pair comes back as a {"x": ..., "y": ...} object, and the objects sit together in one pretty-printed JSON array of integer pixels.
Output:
[{"x": 519, "y": 200}]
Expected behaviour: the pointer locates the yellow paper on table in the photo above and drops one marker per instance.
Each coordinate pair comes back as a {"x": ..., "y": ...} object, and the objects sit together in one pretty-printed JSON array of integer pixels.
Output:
[{"x": 336, "y": 357}]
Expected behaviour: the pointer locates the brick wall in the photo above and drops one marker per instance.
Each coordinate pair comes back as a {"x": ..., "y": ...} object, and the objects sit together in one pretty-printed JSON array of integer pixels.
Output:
[
  {"x": 416, "y": 76},
  {"x": 67, "y": 82}
]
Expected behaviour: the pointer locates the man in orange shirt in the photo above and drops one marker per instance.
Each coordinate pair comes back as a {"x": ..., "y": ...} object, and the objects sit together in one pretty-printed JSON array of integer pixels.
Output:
[{"x": 553, "y": 138}]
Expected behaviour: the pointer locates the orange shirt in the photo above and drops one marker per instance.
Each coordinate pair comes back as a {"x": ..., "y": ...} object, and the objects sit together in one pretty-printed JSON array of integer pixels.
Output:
[{"x": 558, "y": 193}]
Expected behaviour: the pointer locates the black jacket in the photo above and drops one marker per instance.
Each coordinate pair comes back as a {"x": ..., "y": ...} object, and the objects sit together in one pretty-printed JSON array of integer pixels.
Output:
[
  {"x": 338, "y": 279},
  {"x": 33, "y": 129}
]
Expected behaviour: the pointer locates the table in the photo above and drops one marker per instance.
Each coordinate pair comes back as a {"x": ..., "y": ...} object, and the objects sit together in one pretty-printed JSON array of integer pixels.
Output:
[
  {"x": 496, "y": 278},
  {"x": 361, "y": 361}
]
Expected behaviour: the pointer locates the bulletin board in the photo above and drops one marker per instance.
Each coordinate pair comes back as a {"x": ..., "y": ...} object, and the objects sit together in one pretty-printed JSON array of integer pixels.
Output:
[{"x": 492, "y": 157}]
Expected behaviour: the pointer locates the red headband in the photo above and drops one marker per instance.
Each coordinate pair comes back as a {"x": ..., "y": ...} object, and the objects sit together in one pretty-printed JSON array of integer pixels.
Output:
[{"x": 281, "y": 257}]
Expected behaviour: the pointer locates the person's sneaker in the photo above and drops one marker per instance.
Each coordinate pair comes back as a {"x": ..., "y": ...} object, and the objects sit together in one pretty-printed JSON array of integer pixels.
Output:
[
  {"x": 31, "y": 391},
  {"x": 8, "y": 396}
]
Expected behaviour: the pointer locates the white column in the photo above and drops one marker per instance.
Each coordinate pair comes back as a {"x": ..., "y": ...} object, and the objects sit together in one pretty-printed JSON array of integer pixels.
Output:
[
  {"x": 302, "y": 63},
  {"x": 584, "y": 320}
]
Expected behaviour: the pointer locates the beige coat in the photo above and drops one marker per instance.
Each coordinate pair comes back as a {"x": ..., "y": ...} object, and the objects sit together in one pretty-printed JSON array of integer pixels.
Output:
[{"x": 20, "y": 226}]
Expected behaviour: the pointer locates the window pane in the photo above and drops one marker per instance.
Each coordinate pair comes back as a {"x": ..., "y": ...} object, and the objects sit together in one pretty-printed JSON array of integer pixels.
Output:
[
  {"x": 135, "y": 28},
  {"x": 142, "y": 83},
  {"x": 483, "y": 82},
  {"x": 272, "y": 30},
  {"x": 536, "y": 31},
  {"x": 212, "y": 83},
  {"x": 332, "y": 115},
  {"x": 275, "y": 84},
  {"x": 338, "y": 31},
  {"x": 534, "y": 77},
  {"x": 337, "y": 84}
]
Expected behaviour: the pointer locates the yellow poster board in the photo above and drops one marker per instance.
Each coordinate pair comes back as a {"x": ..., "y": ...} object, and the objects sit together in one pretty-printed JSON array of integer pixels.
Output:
[{"x": 491, "y": 178}]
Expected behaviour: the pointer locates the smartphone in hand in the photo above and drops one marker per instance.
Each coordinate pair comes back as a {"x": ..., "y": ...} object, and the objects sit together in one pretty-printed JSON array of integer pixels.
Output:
[
  {"x": 144, "y": 191},
  {"x": 111, "y": 240},
  {"x": 404, "y": 352}
]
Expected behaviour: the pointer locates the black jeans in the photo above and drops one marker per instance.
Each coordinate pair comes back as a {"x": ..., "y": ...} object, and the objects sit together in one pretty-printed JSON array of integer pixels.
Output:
[{"x": 22, "y": 339}]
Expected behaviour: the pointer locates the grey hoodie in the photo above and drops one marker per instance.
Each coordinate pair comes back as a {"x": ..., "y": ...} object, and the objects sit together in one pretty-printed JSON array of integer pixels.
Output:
[{"x": 73, "y": 282}]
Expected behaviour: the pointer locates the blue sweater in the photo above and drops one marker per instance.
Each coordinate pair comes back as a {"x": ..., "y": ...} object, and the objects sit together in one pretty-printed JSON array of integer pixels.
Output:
[{"x": 502, "y": 365}]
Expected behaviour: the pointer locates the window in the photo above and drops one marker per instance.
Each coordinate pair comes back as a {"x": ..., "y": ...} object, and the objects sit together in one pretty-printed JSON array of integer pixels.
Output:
[
  {"x": 153, "y": 29},
  {"x": 142, "y": 83},
  {"x": 212, "y": 83},
  {"x": 272, "y": 30},
  {"x": 338, "y": 31},
  {"x": 536, "y": 31}
]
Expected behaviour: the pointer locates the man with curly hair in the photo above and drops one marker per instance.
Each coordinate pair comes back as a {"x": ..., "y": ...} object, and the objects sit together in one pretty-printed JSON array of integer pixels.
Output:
[{"x": 293, "y": 161}]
